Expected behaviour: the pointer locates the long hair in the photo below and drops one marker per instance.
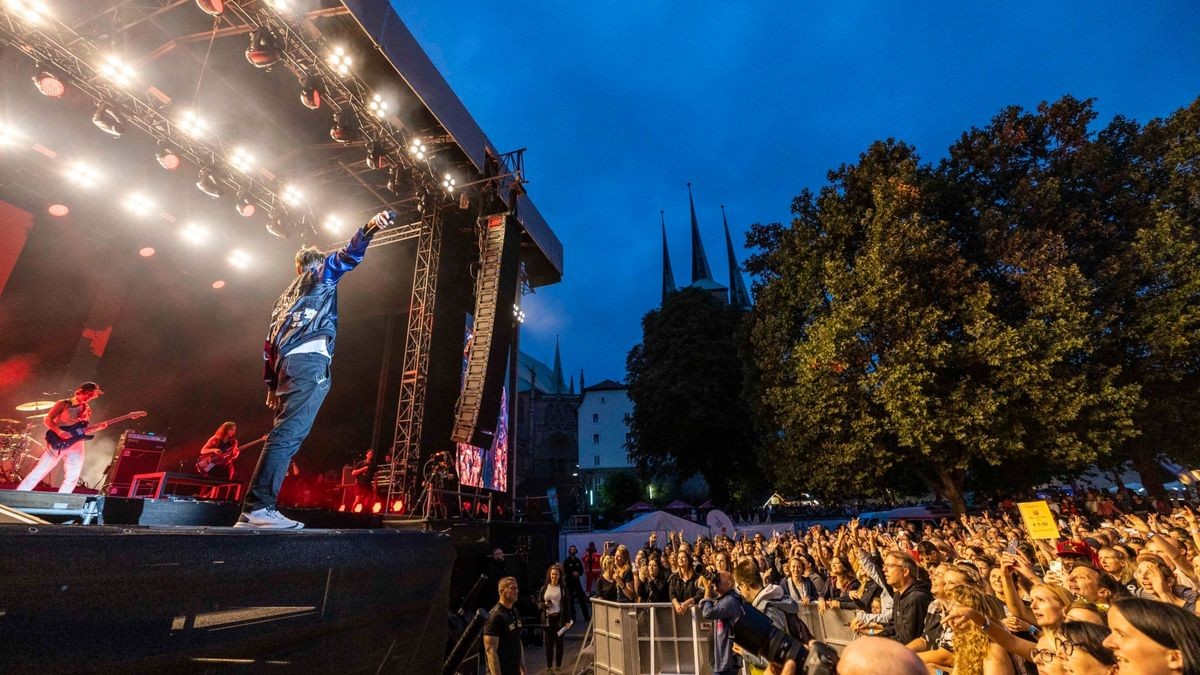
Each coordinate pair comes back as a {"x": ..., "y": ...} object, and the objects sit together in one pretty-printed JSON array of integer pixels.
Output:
[
  {"x": 971, "y": 643},
  {"x": 551, "y": 568},
  {"x": 1170, "y": 626},
  {"x": 307, "y": 259},
  {"x": 224, "y": 429}
]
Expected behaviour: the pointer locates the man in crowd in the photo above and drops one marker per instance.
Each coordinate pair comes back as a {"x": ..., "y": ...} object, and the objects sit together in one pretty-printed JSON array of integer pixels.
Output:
[
  {"x": 502, "y": 633},
  {"x": 573, "y": 567},
  {"x": 911, "y": 595}
]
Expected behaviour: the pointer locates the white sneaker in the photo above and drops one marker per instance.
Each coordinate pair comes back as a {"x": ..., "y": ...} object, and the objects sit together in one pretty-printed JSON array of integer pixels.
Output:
[{"x": 268, "y": 519}]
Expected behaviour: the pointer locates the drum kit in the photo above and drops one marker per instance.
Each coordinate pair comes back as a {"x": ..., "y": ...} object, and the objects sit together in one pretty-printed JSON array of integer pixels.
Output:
[{"x": 16, "y": 444}]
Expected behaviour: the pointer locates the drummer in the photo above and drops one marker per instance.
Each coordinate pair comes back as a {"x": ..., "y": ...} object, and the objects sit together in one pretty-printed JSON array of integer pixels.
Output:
[{"x": 64, "y": 413}]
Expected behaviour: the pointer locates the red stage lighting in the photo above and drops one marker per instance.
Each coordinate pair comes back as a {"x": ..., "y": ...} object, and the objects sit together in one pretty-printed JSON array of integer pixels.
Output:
[
  {"x": 58, "y": 210},
  {"x": 344, "y": 129},
  {"x": 211, "y": 7},
  {"x": 310, "y": 92},
  {"x": 376, "y": 158},
  {"x": 49, "y": 84},
  {"x": 262, "y": 52},
  {"x": 167, "y": 157},
  {"x": 376, "y": 507},
  {"x": 146, "y": 252},
  {"x": 358, "y": 508},
  {"x": 397, "y": 506},
  {"x": 342, "y": 508},
  {"x": 218, "y": 284},
  {"x": 245, "y": 206}
]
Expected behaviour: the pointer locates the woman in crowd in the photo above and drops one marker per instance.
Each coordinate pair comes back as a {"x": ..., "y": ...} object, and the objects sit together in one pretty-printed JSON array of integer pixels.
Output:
[
  {"x": 552, "y": 599},
  {"x": 1156, "y": 580},
  {"x": 683, "y": 587},
  {"x": 1081, "y": 651},
  {"x": 605, "y": 587},
  {"x": 1115, "y": 561},
  {"x": 841, "y": 579},
  {"x": 797, "y": 585},
  {"x": 1153, "y": 638},
  {"x": 653, "y": 586},
  {"x": 623, "y": 577},
  {"x": 974, "y": 652}
]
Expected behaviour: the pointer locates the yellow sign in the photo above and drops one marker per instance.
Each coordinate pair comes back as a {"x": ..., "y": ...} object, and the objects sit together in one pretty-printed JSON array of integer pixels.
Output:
[{"x": 1039, "y": 520}]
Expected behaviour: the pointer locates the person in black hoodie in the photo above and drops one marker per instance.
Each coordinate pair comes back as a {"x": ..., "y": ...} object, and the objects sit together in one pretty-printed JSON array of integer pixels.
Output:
[
  {"x": 573, "y": 569},
  {"x": 912, "y": 597}
]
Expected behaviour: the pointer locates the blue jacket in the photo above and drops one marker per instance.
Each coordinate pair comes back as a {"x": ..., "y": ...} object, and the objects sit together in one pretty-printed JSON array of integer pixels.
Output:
[
  {"x": 724, "y": 611},
  {"x": 307, "y": 309}
]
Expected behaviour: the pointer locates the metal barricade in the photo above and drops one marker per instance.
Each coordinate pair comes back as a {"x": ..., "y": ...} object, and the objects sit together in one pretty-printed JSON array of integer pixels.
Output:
[{"x": 651, "y": 639}]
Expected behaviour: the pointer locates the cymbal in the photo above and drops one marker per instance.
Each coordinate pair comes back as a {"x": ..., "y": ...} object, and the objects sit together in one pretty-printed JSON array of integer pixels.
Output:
[{"x": 35, "y": 406}]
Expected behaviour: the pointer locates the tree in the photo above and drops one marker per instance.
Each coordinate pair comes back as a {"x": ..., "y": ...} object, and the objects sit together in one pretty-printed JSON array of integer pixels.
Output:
[
  {"x": 621, "y": 489},
  {"x": 686, "y": 383},
  {"x": 887, "y": 340}
]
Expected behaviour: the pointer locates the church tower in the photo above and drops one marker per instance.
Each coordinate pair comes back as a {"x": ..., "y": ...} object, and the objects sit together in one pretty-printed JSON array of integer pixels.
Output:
[
  {"x": 668, "y": 284},
  {"x": 738, "y": 296},
  {"x": 701, "y": 273}
]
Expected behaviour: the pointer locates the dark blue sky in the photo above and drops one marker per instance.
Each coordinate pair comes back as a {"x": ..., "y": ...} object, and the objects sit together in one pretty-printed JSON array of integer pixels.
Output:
[{"x": 620, "y": 104}]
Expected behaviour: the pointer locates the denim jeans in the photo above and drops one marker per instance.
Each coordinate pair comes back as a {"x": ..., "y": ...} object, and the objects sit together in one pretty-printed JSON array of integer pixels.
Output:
[{"x": 303, "y": 383}]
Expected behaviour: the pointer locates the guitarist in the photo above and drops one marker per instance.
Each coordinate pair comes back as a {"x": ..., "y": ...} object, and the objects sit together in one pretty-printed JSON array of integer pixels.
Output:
[
  {"x": 64, "y": 413},
  {"x": 220, "y": 452}
]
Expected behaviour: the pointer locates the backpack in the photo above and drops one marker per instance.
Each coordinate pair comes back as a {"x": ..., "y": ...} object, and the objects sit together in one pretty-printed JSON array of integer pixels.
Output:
[{"x": 794, "y": 626}]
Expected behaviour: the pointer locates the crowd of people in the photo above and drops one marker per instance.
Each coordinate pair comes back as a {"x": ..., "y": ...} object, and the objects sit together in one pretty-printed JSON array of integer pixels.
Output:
[{"x": 1115, "y": 593}]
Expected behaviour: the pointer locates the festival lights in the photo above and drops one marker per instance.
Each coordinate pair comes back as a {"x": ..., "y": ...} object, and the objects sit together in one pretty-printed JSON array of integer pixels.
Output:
[
  {"x": 448, "y": 183},
  {"x": 117, "y": 71},
  {"x": 48, "y": 82},
  {"x": 239, "y": 259},
  {"x": 194, "y": 234},
  {"x": 139, "y": 204},
  {"x": 518, "y": 314},
  {"x": 167, "y": 157},
  {"x": 32, "y": 12},
  {"x": 292, "y": 195},
  {"x": 378, "y": 106},
  {"x": 242, "y": 160},
  {"x": 340, "y": 61},
  {"x": 108, "y": 120},
  {"x": 192, "y": 124},
  {"x": 245, "y": 206},
  {"x": 209, "y": 184},
  {"x": 8, "y": 135},
  {"x": 82, "y": 175},
  {"x": 263, "y": 52},
  {"x": 417, "y": 148},
  {"x": 334, "y": 224}
]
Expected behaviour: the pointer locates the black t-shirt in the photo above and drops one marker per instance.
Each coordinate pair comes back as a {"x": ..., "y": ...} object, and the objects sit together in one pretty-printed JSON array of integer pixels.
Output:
[
  {"x": 503, "y": 623},
  {"x": 364, "y": 479},
  {"x": 605, "y": 590}
]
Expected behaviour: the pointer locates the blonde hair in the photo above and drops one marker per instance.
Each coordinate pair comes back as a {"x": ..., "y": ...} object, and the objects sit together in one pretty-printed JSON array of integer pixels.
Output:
[{"x": 971, "y": 642}]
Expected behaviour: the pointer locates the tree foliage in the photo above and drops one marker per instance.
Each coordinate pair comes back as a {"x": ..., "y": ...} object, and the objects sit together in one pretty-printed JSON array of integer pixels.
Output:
[
  {"x": 1029, "y": 303},
  {"x": 686, "y": 382}
]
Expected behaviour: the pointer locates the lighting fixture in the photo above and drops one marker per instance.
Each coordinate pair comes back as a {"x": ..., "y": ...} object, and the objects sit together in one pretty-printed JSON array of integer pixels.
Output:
[
  {"x": 147, "y": 251},
  {"x": 345, "y": 127},
  {"x": 194, "y": 234},
  {"x": 393, "y": 181},
  {"x": 239, "y": 259},
  {"x": 277, "y": 227},
  {"x": 117, "y": 71},
  {"x": 334, "y": 225},
  {"x": 245, "y": 206},
  {"x": 167, "y": 156},
  {"x": 242, "y": 160},
  {"x": 58, "y": 210},
  {"x": 376, "y": 158},
  {"x": 8, "y": 135},
  {"x": 292, "y": 196},
  {"x": 32, "y": 12},
  {"x": 340, "y": 61},
  {"x": 139, "y": 204},
  {"x": 310, "y": 91},
  {"x": 417, "y": 148},
  {"x": 378, "y": 106},
  {"x": 218, "y": 284},
  {"x": 48, "y": 82},
  {"x": 108, "y": 120},
  {"x": 192, "y": 124},
  {"x": 262, "y": 52},
  {"x": 282, "y": 5},
  {"x": 518, "y": 314},
  {"x": 211, "y": 7},
  {"x": 448, "y": 183},
  {"x": 82, "y": 175},
  {"x": 208, "y": 184}
]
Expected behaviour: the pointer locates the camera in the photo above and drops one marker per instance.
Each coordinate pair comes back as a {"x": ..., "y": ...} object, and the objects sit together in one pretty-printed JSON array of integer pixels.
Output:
[{"x": 755, "y": 633}]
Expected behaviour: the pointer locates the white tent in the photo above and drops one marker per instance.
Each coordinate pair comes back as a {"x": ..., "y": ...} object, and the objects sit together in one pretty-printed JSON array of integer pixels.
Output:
[{"x": 634, "y": 533}]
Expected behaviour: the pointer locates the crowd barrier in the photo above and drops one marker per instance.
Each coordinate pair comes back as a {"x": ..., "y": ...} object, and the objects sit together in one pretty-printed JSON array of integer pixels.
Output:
[{"x": 651, "y": 639}]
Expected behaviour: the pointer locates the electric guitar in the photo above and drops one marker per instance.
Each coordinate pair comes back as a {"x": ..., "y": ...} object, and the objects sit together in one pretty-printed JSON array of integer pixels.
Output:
[
  {"x": 82, "y": 431},
  {"x": 207, "y": 461}
]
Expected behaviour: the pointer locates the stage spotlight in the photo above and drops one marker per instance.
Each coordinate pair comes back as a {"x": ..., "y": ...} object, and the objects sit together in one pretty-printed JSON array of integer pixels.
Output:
[
  {"x": 277, "y": 227},
  {"x": 208, "y": 184},
  {"x": 358, "y": 508},
  {"x": 8, "y": 135},
  {"x": 397, "y": 506},
  {"x": 282, "y": 6},
  {"x": 417, "y": 148},
  {"x": 310, "y": 92},
  {"x": 376, "y": 507},
  {"x": 291, "y": 195},
  {"x": 340, "y": 61},
  {"x": 518, "y": 314},
  {"x": 194, "y": 234},
  {"x": 82, "y": 175},
  {"x": 262, "y": 52},
  {"x": 378, "y": 106},
  {"x": 211, "y": 7},
  {"x": 242, "y": 160},
  {"x": 138, "y": 204},
  {"x": 218, "y": 284},
  {"x": 167, "y": 156},
  {"x": 334, "y": 225},
  {"x": 31, "y": 11},
  {"x": 147, "y": 252},
  {"x": 239, "y": 259},
  {"x": 49, "y": 83},
  {"x": 245, "y": 206},
  {"x": 117, "y": 71},
  {"x": 58, "y": 210},
  {"x": 109, "y": 120},
  {"x": 448, "y": 183},
  {"x": 376, "y": 158},
  {"x": 345, "y": 127},
  {"x": 393, "y": 181},
  {"x": 192, "y": 124}
]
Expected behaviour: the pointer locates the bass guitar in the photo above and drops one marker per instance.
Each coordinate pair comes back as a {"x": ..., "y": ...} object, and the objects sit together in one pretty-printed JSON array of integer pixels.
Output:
[
  {"x": 82, "y": 431},
  {"x": 208, "y": 461}
]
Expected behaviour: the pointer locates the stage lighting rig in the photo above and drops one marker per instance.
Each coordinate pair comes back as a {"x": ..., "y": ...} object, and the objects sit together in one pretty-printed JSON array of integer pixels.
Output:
[
  {"x": 192, "y": 124},
  {"x": 139, "y": 204},
  {"x": 345, "y": 127},
  {"x": 48, "y": 82},
  {"x": 8, "y": 135},
  {"x": 448, "y": 183},
  {"x": 167, "y": 156},
  {"x": 245, "y": 206},
  {"x": 292, "y": 195},
  {"x": 263, "y": 51},
  {"x": 108, "y": 120},
  {"x": 208, "y": 184},
  {"x": 117, "y": 71},
  {"x": 334, "y": 225},
  {"x": 310, "y": 91},
  {"x": 242, "y": 160},
  {"x": 239, "y": 259},
  {"x": 277, "y": 226},
  {"x": 82, "y": 175},
  {"x": 340, "y": 61},
  {"x": 211, "y": 7},
  {"x": 33, "y": 12},
  {"x": 376, "y": 157},
  {"x": 418, "y": 149},
  {"x": 194, "y": 234},
  {"x": 378, "y": 106}
]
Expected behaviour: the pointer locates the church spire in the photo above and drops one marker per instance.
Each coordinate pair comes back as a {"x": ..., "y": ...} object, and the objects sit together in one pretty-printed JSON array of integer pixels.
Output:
[
  {"x": 571, "y": 389},
  {"x": 559, "y": 385},
  {"x": 738, "y": 296},
  {"x": 700, "y": 268},
  {"x": 581, "y": 386},
  {"x": 668, "y": 286}
]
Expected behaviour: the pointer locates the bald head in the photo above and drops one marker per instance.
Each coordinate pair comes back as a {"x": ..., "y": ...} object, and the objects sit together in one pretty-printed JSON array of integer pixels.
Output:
[{"x": 878, "y": 656}]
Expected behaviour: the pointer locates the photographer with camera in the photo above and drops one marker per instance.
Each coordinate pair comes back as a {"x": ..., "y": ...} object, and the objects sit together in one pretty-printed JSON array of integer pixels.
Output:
[
  {"x": 723, "y": 607},
  {"x": 772, "y": 601}
]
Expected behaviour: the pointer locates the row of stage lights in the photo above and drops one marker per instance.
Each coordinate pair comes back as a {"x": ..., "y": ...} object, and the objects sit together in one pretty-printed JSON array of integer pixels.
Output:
[{"x": 263, "y": 53}]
